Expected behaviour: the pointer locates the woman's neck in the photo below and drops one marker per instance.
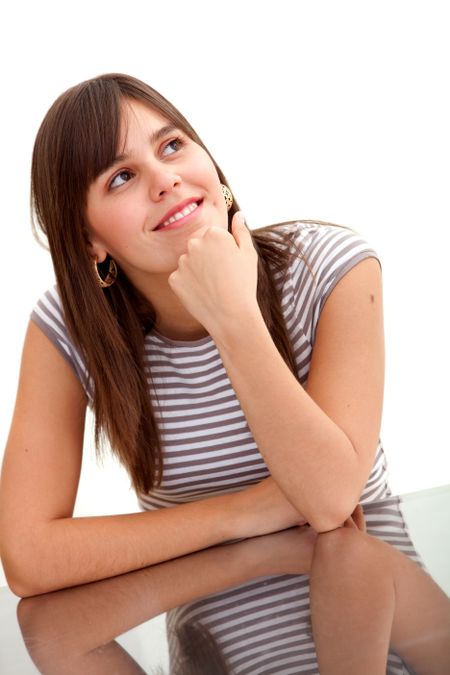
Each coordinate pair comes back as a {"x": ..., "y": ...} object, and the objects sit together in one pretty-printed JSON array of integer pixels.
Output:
[
  {"x": 194, "y": 331},
  {"x": 172, "y": 318}
]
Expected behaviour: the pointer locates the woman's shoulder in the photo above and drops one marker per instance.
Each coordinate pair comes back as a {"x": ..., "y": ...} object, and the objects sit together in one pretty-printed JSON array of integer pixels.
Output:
[
  {"x": 317, "y": 244},
  {"x": 310, "y": 232},
  {"x": 48, "y": 312},
  {"x": 48, "y": 315}
]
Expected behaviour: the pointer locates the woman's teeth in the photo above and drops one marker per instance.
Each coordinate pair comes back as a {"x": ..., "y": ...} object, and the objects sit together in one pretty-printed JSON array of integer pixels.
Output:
[{"x": 180, "y": 214}]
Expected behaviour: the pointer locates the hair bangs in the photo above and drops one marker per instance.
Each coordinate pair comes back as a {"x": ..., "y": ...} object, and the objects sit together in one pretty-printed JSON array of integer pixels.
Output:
[{"x": 94, "y": 132}]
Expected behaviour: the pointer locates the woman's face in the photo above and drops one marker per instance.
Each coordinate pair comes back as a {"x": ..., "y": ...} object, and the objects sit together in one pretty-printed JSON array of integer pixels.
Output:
[{"x": 159, "y": 171}]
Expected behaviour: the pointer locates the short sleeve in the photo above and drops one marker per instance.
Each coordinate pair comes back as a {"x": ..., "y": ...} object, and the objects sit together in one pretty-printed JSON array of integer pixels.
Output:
[
  {"x": 326, "y": 253},
  {"x": 48, "y": 315}
]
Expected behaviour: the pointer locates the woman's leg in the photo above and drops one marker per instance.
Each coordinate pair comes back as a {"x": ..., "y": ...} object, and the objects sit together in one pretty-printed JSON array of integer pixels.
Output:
[{"x": 366, "y": 597}]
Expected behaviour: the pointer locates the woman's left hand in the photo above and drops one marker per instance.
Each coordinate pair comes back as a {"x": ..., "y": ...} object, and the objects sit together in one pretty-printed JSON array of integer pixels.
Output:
[
  {"x": 216, "y": 278},
  {"x": 356, "y": 520}
]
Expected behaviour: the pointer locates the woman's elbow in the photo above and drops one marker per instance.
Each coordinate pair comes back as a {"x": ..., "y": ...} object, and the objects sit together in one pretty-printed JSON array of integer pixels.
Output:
[
  {"x": 321, "y": 525},
  {"x": 22, "y": 591},
  {"x": 330, "y": 519},
  {"x": 21, "y": 568},
  {"x": 21, "y": 583}
]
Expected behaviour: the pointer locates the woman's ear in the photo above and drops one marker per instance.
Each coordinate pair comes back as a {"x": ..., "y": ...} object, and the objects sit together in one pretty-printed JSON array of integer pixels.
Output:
[{"x": 96, "y": 250}]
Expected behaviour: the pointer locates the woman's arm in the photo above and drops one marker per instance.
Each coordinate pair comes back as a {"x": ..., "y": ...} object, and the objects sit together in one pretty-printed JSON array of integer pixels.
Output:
[
  {"x": 42, "y": 546},
  {"x": 366, "y": 596},
  {"x": 59, "y": 639},
  {"x": 318, "y": 443},
  {"x": 54, "y": 625}
]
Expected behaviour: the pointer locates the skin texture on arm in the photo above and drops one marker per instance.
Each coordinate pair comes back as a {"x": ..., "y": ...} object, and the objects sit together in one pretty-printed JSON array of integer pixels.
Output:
[
  {"x": 60, "y": 639},
  {"x": 39, "y": 482},
  {"x": 318, "y": 443}
]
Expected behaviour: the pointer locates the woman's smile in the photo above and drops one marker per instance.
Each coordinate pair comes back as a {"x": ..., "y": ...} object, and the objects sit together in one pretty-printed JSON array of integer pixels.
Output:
[{"x": 182, "y": 216}]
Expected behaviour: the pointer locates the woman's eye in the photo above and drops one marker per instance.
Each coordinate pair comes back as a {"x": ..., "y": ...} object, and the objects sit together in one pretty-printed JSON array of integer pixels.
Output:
[
  {"x": 120, "y": 178},
  {"x": 174, "y": 145}
]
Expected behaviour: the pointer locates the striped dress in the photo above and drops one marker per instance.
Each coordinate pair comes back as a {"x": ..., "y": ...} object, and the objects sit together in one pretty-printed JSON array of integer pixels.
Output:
[{"x": 208, "y": 450}]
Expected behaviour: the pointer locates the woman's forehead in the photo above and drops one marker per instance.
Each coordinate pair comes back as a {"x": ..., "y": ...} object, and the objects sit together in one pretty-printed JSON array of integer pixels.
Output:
[
  {"x": 140, "y": 113},
  {"x": 138, "y": 116}
]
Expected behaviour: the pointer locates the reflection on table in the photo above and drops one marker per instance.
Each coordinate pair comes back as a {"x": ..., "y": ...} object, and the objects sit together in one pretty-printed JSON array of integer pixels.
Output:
[{"x": 237, "y": 608}]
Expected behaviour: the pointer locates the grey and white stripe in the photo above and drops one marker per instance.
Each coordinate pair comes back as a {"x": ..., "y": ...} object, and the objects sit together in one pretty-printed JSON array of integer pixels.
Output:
[{"x": 208, "y": 449}]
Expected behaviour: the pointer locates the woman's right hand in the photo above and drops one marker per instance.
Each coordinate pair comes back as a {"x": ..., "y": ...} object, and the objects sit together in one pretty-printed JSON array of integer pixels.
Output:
[{"x": 263, "y": 509}]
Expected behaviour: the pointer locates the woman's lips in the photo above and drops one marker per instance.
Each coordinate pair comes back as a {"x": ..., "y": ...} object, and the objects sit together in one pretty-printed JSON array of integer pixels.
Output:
[{"x": 181, "y": 221}]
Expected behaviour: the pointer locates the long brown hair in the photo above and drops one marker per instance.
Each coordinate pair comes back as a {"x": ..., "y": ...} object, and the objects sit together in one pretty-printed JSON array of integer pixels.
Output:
[{"x": 77, "y": 140}]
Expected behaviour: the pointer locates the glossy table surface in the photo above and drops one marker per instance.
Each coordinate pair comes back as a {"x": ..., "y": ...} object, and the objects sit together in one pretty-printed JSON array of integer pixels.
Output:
[{"x": 125, "y": 617}]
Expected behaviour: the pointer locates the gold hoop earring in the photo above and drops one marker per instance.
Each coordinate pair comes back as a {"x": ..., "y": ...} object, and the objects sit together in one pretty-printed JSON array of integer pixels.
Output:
[
  {"x": 110, "y": 277},
  {"x": 227, "y": 196}
]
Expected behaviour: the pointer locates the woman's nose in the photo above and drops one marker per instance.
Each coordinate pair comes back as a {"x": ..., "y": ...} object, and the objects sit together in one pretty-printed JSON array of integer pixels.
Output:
[{"x": 163, "y": 181}]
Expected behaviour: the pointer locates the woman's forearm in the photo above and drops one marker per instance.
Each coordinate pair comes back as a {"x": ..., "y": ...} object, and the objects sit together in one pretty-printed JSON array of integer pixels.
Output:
[
  {"x": 56, "y": 623},
  {"x": 71, "y": 551},
  {"x": 303, "y": 448}
]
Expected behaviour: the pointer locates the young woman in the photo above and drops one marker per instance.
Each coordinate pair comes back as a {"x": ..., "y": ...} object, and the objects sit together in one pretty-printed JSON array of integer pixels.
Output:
[{"x": 237, "y": 374}]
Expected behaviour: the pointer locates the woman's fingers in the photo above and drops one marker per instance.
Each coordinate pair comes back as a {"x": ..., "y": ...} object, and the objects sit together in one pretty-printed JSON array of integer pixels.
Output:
[
  {"x": 356, "y": 520},
  {"x": 350, "y": 524}
]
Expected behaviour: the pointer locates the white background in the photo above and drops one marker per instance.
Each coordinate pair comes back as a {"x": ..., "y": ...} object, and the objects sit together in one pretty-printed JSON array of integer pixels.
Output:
[{"x": 331, "y": 110}]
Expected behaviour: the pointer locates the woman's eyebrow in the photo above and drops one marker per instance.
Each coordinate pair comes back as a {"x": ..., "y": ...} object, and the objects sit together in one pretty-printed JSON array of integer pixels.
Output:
[
  {"x": 160, "y": 133},
  {"x": 155, "y": 136}
]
